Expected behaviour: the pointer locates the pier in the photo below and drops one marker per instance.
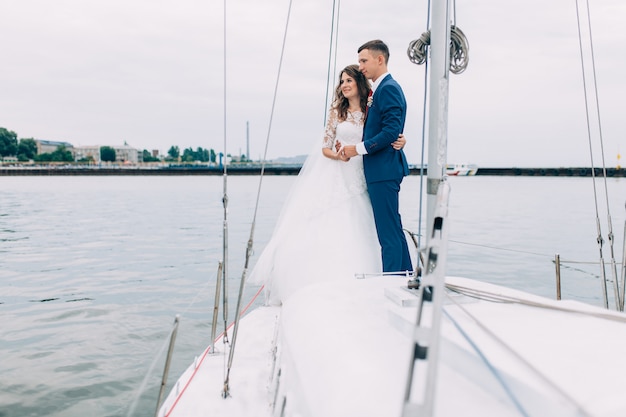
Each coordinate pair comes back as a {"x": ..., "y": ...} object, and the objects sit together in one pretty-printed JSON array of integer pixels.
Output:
[{"x": 277, "y": 169}]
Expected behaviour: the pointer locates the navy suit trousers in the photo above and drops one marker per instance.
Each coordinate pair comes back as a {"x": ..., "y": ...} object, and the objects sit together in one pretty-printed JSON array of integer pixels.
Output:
[{"x": 385, "y": 203}]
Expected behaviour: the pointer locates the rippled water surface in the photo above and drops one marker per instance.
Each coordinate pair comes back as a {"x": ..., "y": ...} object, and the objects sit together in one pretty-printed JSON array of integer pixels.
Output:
[{"x": 93, "y": 270}]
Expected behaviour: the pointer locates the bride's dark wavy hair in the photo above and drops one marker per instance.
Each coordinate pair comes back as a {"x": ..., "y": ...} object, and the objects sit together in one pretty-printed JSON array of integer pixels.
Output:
[{"x": 340, "y": 102}]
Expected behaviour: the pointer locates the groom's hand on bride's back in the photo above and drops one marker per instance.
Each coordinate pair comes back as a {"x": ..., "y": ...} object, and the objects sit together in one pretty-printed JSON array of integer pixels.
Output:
[{"x": 399, "y": 143}]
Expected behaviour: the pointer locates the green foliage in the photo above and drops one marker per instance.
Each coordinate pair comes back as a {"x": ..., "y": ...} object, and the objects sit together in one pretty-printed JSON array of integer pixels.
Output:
[
  {"x": 26, "y": 149},
  {"x": 8, "y": 142},
  {"x": 147, "y": 157},
  {"x": 87, "y": 160},
  {"x": 174, "y": 152},
  {"x": 61, "y": 154},
  {"x": 107, "y": 154},
  {"x": 200, "y": 155}
]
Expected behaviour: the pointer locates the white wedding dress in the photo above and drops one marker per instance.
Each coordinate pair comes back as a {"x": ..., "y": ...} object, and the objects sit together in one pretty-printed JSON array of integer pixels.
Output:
[{"x": 326, "y": 228}]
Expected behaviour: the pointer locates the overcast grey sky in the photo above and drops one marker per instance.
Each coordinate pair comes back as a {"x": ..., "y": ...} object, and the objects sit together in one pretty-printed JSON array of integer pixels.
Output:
[{"x": 150, "y": 72}]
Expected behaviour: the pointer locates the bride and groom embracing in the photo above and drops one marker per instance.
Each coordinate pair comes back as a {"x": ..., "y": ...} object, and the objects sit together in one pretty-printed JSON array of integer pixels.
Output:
[{"x": 343, "y": 211}]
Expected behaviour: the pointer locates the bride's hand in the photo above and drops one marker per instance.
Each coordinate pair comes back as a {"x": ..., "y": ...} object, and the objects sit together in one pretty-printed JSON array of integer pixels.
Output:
[
  {"x": 341, "y": 156},
  {"x": 399, "y": 143}
]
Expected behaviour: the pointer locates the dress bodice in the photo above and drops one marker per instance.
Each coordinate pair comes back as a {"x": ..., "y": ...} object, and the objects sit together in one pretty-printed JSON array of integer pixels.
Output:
[
  {"x": 350, "y": 178},
  {"x": 348, "y": 132}
]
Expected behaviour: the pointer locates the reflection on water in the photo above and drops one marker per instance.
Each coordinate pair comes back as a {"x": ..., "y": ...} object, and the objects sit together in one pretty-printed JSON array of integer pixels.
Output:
[{"x": 93, "y": 270}]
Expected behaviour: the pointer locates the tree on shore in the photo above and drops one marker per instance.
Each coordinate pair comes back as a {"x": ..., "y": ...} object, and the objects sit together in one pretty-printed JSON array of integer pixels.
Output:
[
  {"x": 8, "y": 142},
  {"x": 200, "y": 155},
  {"x": 174, "y": 152},
  {"x": 147, "y": 156},
  {"x": 107, "y": 154},
  {"x": 26, "y": 149}
]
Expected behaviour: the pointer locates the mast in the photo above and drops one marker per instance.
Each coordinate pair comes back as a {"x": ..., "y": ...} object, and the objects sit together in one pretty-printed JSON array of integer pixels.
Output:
[
  {"x": 419, "y": 395},
  {"x": 439, "y": 78}
]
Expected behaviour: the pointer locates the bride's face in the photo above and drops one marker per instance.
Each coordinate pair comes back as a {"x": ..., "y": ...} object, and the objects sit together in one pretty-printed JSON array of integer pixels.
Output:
[{"x": 349, "y": 87}]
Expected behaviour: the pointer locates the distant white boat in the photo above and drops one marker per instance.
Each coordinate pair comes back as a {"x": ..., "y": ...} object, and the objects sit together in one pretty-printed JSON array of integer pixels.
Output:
[{"x": 461, "y": 169}]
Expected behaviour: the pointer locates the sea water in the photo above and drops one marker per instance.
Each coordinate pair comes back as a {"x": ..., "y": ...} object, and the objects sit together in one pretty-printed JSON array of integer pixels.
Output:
[{"x": 93, "y": 270}]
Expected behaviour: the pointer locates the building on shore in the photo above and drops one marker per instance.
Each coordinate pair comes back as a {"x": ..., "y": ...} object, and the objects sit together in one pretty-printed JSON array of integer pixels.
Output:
[
  {"x": 127, "y": 154},
  {"x": 49, "y": 146},
  {"x": 124, "y": 154},
  {"x": 87, "y": 152}
]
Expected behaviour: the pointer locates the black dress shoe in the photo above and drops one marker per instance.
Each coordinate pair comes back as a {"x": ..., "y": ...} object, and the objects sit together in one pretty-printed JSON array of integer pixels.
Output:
[{"x": 414, "y": 284}]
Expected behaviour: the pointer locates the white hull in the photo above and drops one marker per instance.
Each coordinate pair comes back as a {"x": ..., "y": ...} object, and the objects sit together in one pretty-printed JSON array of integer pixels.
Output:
[{"x": 344, "y": 349}]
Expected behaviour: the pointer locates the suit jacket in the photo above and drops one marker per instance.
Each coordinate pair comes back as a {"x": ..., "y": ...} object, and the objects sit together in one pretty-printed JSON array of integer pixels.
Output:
[{"x": 385, "y": 121}]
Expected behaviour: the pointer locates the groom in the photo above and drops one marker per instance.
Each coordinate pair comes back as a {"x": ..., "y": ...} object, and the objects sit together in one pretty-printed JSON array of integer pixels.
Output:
[{"x": 384, "y": 166}]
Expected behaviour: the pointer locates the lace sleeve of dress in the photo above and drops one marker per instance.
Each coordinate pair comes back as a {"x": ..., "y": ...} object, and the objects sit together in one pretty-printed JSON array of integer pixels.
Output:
[{"x": 331, "y": 129}]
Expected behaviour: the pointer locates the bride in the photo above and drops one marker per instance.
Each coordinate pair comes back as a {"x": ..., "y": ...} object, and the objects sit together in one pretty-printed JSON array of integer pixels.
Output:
[{"x": 307, "y": 246}]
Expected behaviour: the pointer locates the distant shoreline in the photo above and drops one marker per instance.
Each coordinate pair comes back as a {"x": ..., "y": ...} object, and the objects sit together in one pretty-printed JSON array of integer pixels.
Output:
[{"x": 282, "y": 170}]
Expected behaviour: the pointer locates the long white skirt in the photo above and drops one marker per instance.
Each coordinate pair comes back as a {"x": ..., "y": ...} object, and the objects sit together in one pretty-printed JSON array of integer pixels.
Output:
[{"x": 325, "y": 231}]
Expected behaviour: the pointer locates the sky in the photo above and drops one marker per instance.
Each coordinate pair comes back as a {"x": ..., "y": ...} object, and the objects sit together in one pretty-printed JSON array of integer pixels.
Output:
[{"x": 157, "y": 73}]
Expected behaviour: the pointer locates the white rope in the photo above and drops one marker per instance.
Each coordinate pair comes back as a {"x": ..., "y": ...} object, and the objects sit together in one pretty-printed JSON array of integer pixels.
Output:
[
  {"x": 489, "y": 296},
  {"x": 459, "y": 50}
]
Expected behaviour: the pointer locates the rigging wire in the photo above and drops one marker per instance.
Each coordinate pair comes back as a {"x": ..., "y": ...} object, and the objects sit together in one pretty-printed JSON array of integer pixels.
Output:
[
  {"x": 497, "y": 297},
  {"x": 224, "y": 276},
  {"x": 619, "y": 299},
  {"x": 565, "y": 263},
  {"x": 249, "y": 249},
  {"x": 481, "y": 294},
  {"x": 423, "y": 152},
  {"x": 335, "y": 58},
  {"x": 332, "y": 62},
  {"x": 491, "y": 367}
]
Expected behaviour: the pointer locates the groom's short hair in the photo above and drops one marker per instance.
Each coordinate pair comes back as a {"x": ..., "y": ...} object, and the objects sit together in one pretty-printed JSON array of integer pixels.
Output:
[{"x": 376, "y": 46}]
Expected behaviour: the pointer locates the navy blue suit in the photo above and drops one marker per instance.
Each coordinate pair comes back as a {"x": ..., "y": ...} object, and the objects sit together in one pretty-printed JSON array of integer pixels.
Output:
[{"x": 384, "y": 170}]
